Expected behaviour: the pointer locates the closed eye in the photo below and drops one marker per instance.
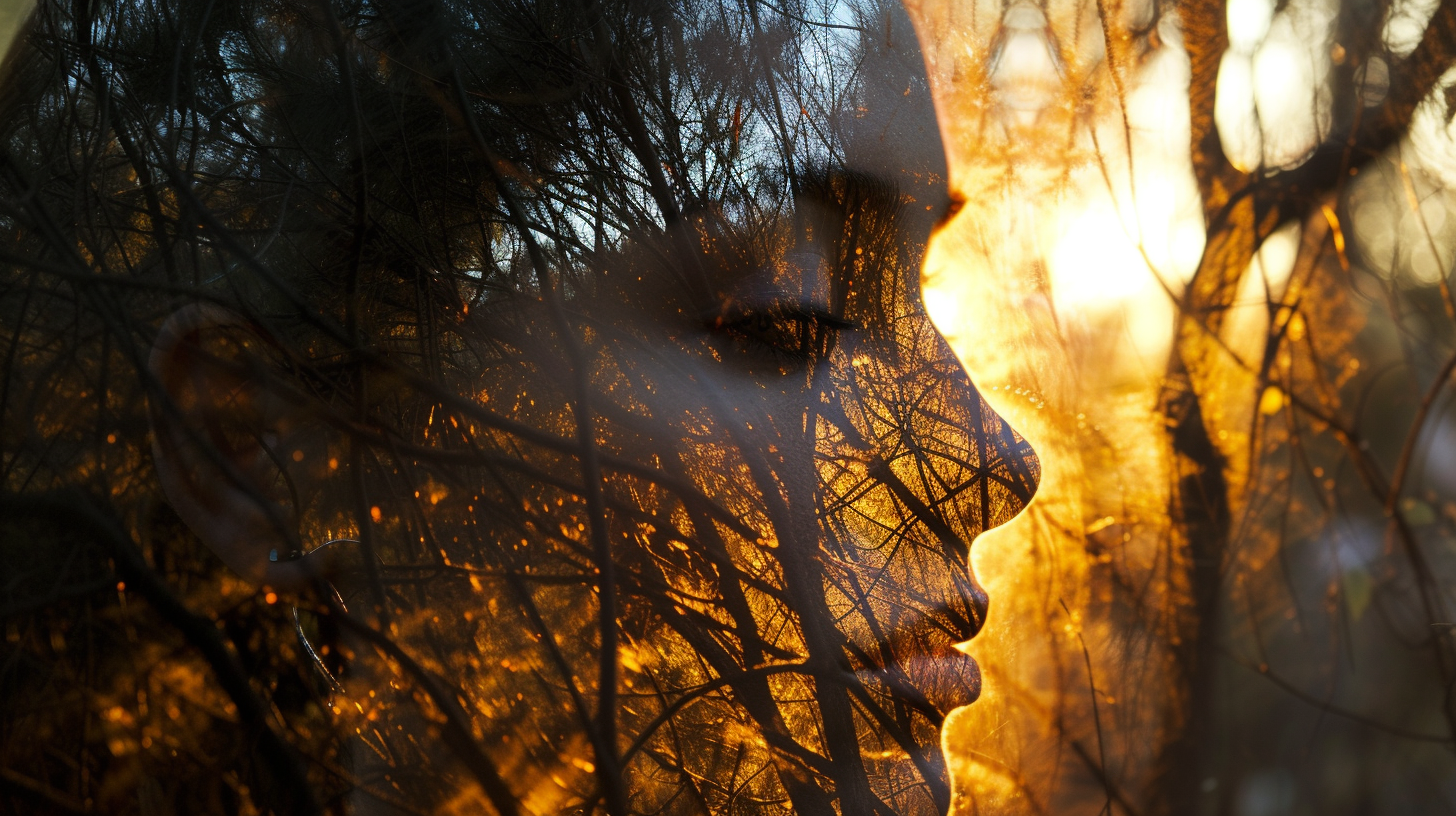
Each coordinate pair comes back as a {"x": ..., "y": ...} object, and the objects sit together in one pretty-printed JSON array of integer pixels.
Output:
[{"x": 793, "y": 332}]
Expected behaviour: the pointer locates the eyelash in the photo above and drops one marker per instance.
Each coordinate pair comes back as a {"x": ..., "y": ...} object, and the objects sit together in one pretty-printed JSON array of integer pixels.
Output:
[{"x": 794, "y": 334}]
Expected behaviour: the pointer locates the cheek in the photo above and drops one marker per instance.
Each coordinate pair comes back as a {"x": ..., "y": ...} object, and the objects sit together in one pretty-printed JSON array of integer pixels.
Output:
[{"x": 696, "y": 386}]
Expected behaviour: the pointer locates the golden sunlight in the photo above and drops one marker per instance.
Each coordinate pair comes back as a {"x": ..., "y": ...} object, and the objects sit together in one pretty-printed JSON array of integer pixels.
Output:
[
  {"x": 1149, "y": 356},
  {"x": 1056, "y": 282}
]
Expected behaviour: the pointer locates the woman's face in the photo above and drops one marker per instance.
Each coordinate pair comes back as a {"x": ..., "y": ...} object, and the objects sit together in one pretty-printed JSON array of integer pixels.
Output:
[
  {"x": 677, "y": 524},
  {"x": 787, "y": 466}
]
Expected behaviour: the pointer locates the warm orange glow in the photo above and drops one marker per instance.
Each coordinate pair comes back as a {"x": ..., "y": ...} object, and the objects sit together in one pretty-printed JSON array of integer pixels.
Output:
[
  {"x": 1056, "y": 283},
  {"x": 679, "y": 519}
]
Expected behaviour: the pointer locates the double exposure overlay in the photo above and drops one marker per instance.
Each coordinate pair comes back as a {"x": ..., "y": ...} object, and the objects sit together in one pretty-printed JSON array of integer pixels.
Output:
[
  {"x": 482, "y": 407},
  {"x": 567, "y": 407}
]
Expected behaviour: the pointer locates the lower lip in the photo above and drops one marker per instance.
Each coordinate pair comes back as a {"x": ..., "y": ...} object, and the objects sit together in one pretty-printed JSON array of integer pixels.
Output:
[{"x": 948, "y": 680}]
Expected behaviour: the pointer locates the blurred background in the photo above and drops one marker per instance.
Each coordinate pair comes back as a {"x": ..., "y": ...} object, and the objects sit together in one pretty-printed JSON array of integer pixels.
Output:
[{"x": 1202, "y": 261}]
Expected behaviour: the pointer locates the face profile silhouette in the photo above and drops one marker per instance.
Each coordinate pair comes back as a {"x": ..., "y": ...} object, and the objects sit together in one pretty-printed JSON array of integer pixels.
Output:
[{"x": 566, "y": 368}]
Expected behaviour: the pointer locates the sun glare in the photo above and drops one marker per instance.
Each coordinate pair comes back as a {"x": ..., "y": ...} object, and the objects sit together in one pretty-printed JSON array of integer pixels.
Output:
[{"x": 1057, "y": 284}]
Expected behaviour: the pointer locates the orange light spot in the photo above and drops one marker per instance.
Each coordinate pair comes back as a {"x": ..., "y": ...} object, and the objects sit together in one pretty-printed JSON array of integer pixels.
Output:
[
  {"x": 376, "y": 514},
  {"x": 271, "y": 598},
  {"x": 1272, "y": 402},
  {"x": 298, "y": 456},
  {"x": 1338, "y": 233}
]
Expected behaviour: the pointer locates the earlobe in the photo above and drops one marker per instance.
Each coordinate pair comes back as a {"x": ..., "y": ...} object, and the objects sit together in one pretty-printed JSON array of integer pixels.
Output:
[{"x": 213, "y": 424}]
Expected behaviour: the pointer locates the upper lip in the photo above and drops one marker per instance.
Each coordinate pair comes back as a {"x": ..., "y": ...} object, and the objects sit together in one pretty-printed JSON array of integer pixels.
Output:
[
  {"x": 963, "y": 615},
  {"x": 935, "y": 631},
  {"x": 920, "y": 658},
  {"x": 951, "y": 626}
]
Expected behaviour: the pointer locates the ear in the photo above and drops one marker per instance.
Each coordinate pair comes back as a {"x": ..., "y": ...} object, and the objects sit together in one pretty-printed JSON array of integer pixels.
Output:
[{"x": 221, "y": 434}]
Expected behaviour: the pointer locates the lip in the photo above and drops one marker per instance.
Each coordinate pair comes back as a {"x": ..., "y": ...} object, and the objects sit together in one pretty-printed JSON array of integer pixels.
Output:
[
  {"x": 947, "y": 681},
  {"x": 927, "y": 652}
]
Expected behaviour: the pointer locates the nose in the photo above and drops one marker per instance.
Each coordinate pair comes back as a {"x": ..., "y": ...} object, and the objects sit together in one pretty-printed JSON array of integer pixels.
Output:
[
  {"x": 988, "y": 472},
  {"x": 954, "y": 469}
]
